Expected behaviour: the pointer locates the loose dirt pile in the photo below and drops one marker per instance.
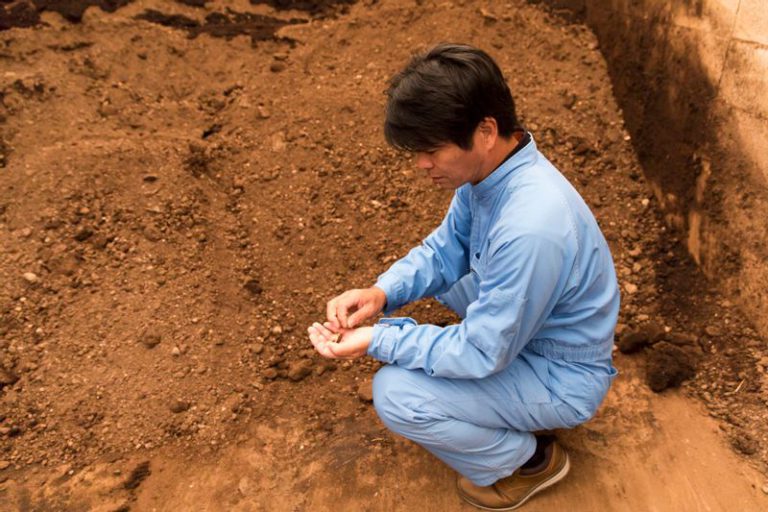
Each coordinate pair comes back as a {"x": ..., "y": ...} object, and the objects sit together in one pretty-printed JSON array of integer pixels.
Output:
[{"x": 176, "y": 208}]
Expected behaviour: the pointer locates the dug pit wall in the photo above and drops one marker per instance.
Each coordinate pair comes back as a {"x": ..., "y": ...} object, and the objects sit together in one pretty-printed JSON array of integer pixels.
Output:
[{"x": 692, "y": 79}]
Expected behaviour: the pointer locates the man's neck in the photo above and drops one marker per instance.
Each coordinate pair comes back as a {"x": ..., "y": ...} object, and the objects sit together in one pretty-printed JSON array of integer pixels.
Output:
[{"x": 500, "y": 152}]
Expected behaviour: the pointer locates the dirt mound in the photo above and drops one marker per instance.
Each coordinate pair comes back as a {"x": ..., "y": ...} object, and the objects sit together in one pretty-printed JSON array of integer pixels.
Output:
[
  {"x": 226, "y": 24},
  {"x": 313, "y": 6},
  {"x": 26, "y": 13}
]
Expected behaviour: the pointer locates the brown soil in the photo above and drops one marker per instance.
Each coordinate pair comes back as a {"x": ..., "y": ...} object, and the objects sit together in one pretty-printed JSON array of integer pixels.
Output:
[{"x": 175, "y": 210}]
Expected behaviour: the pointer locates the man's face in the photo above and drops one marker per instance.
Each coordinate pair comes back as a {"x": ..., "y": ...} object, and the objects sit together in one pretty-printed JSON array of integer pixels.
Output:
[{"x": 450, "y": 166}]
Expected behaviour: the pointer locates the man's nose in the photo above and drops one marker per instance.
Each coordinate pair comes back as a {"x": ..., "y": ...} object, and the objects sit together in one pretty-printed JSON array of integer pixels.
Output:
[{"x": 424, "y": 161}]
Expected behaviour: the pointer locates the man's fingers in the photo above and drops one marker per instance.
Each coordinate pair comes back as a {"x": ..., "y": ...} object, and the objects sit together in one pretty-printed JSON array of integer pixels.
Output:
[
  {"x": 330, "y": 311},
  {"x": 334, "y": 331},
  {"x": 326, "y": 330},
  {"x": 360, "y": 315},
  {"x": 319, "y": 334},
  {"x": 319, "y": 341},
  {"x": 338, "y": 309},
  {"x": 323, "y": 331},
  {"x": 341, "y": 312},
  {"x": 314, "y": 336}
]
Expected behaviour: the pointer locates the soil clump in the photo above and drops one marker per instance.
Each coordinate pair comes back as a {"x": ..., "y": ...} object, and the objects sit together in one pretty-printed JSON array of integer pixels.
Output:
[
  {"x": 26, "y": 13},
  {"x": 227, "y": 24}
]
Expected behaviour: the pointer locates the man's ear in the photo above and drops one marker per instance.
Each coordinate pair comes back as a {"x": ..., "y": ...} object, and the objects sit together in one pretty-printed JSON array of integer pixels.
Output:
[{"x": 489, "y": 131}]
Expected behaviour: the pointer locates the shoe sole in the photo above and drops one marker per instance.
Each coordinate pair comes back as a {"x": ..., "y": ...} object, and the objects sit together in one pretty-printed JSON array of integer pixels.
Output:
[{"x": 543, "y": 485}]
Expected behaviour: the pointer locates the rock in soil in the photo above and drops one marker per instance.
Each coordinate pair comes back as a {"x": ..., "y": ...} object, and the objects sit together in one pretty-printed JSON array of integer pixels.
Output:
[
  {"x": 31, "y": 277},
  {"x": 137, "y": 476},
  {"x": 298, "y": 370},
  {"x": 179, "y": 406},
  {"x": 83, "y": 234},
  {"x": 365, "y": 391},
  {"x": 745, "y": 444},
  {"x": 682, "y": 339},
  {"x": 7, "y": 377},
  {"x": 645, "y": 335},
  {"x": 633, "y": 342},
  {"x": 668, "y": 366},
  {"x": 253, "y": 286},
  {"x": 150, "y": 339}
]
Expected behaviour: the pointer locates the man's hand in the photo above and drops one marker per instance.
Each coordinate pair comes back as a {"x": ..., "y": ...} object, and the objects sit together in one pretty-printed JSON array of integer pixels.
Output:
[
  {"x": 352, "y": 344},
  {"x": 353, "y": 307}
]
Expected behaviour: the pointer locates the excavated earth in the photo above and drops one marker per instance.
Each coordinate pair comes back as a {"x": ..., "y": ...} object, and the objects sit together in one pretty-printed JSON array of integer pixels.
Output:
[{"x": 184, "y": 184}]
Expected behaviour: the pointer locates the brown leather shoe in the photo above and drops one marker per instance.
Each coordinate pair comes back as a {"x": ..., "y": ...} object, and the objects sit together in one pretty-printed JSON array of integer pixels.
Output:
[{"x": 513, "y": 491}]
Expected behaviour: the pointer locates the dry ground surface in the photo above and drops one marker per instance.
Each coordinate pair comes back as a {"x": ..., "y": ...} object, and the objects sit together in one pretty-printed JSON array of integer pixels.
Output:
[{"x": 184, "y": 184}]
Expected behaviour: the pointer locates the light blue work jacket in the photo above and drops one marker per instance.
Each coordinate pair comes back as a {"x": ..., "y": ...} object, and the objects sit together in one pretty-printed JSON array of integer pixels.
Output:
[{"x": 541, "y": 268}]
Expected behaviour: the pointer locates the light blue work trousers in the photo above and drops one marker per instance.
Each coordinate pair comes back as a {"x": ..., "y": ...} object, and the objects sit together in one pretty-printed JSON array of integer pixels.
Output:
[{"x": 483, "y": 428}]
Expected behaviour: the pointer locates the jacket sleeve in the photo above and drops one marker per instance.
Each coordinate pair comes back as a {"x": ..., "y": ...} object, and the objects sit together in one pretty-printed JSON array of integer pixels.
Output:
[
  {"x": 432, "y": 267},
  {"x": 522, "y": 285}
]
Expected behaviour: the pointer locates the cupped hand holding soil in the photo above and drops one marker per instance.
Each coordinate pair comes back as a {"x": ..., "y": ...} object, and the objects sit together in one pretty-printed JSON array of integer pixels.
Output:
[{"x": 335, "y": 343}]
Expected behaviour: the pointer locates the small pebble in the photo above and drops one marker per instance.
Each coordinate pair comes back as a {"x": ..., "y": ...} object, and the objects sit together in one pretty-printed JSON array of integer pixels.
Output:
[
  {"x": 150, "y": 339},
  {"x": 298, "y": 370},
  {"x": 263, "y": 112},
  {"x": 713, "y": 331},
  {"x": 4, "y": 464},
  {"x": 253, "y": 286},
  {"x": 365, "y": 391},
  {"x": 179, "y": 406},
  {"x": 244, "y": 486},
  {"x": 83, "y": 234},
  {"x": 31, "y": 277},
  {"x": 7, "y": 377},
  {"x": 630, "y": 288}
]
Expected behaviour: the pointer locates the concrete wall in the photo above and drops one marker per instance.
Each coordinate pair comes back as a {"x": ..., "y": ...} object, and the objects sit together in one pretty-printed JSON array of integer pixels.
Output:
[{"x": 692, "y": 79}]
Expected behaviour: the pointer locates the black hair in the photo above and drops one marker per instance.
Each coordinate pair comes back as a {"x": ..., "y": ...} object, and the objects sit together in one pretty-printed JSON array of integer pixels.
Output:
[{"x": 442, "y": 95}]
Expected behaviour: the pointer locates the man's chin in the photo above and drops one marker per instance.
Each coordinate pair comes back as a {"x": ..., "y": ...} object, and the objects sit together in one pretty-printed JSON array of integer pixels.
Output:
[{"x": 441, "y": 183}]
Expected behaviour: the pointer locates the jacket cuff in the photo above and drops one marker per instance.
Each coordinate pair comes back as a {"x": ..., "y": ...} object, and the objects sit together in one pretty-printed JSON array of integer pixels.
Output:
[{"x": 385, "y": 335}]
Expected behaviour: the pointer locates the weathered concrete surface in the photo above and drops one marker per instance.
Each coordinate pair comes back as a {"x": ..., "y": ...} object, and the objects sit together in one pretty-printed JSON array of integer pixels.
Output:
[{"x": 692, "y": 79}]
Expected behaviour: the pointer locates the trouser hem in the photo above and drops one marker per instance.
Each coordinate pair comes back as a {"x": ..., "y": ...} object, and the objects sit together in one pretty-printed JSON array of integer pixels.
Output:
[{"x": 500, "y": 473}]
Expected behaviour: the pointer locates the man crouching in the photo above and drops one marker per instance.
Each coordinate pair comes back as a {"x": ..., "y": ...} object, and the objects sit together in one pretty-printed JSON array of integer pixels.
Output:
[{"x": 519, "y": 257}]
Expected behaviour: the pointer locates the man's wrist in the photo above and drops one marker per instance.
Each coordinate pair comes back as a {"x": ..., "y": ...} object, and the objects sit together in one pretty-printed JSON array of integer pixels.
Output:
[
  {"x": 393, "y": 290},
  {"x": 382, "y": 297}
]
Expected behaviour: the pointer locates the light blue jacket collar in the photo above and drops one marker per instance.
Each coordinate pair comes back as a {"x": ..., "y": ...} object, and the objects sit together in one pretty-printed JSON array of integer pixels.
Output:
[{"x": 525, "y": 156}]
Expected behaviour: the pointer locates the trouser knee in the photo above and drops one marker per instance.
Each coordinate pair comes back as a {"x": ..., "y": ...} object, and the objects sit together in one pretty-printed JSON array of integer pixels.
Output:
[{"x": 394, "y": 399}]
